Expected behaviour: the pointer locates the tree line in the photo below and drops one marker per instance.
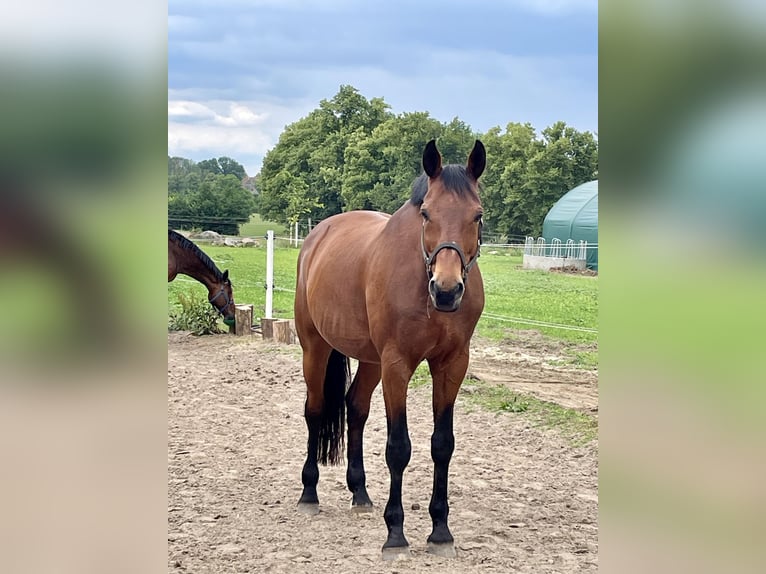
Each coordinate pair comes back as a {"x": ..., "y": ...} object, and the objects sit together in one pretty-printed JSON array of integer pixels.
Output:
[
  {"x": 354, "y": 153},
  {"x": 212, "y": 194}
]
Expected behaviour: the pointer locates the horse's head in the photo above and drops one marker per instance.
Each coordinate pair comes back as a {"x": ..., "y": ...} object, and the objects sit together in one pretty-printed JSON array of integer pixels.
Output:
[
  {"x": 451, "y": 236},
  {"x": 222, "y": 298}
]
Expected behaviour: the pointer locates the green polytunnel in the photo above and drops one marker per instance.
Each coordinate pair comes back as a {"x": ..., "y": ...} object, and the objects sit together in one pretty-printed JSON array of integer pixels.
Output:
[{"x": 575, "y": 216}]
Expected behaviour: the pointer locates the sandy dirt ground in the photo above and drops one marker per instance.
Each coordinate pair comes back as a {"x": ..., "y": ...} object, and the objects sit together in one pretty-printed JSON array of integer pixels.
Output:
[{"x": 522, "y": 498}]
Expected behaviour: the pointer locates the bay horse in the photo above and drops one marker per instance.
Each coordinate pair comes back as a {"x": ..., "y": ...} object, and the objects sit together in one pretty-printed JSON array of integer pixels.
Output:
[
  {"x": 391, "y": 291},
  {"x": 186, "y": 258}
]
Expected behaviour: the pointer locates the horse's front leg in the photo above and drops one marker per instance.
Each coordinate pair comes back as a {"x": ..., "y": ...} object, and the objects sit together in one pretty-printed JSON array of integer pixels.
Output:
[
  {"x": 447, "y": 378},
  {"x": 396, "y": 377}
]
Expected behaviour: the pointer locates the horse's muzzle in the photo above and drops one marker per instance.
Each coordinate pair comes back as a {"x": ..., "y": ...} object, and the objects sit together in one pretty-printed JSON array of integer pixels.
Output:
[{"x": 446, "y": 301}]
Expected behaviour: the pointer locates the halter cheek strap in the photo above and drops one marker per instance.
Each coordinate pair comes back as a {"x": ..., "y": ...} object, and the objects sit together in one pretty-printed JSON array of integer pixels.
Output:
[
  {"x": 428, "y": 259},
  {"x": 214, "y": 297}
]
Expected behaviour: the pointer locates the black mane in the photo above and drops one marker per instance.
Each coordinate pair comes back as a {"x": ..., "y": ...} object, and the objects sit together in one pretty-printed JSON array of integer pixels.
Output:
[
  {"x": 184, "y": 243},
  {"x": 454, "y": 178}
]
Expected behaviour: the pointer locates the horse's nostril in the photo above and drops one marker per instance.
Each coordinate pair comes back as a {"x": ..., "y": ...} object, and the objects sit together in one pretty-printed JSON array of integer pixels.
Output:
[
  {"x": 455, "y": 292},
  {"x": 446, "y": 299}
]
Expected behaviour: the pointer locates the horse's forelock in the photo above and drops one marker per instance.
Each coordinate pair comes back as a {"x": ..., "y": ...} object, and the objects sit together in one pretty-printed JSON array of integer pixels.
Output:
[{"x": 454, "y": 178}]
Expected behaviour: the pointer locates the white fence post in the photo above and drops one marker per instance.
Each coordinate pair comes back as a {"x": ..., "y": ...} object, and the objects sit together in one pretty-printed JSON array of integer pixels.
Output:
[
  {"x": 555, "y": 247},
  {"x": 570, "y": 249},
  {"x": 269, "y": 272}
]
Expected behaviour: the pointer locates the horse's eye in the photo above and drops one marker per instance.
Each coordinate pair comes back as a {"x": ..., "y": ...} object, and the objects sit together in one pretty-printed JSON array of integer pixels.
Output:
[
  {"x": 424, "y": 213},
  {"x": 477, "y": 219}
]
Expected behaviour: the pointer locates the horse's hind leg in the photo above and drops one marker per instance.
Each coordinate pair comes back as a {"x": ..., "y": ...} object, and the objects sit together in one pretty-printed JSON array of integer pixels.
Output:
[
  {"x": 315, "y": 357},
  {"x": 358, "y": 408}
]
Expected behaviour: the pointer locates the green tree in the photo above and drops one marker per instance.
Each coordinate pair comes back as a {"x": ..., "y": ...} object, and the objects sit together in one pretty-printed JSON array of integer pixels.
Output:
[
  {"x": 200, "y": 198},
  {"x": 456, "y": 141},
  {"x": 505, "y": 179},
  {"x": 564, "y": 159},
  {"x": 312, "y": 152},
  {"x": 180, "y": 166},
  {"x": 352, "y": 153},
  {"x": 492, "y": 198},
  {"x": 381, "y": 167},
  {"x": 223, "y": 166},
  {"x": 525, "y": 175},
  {"x": 349, "y": 111}
]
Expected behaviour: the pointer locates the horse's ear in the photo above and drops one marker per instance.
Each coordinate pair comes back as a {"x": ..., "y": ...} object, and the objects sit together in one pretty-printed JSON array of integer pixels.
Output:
[
  {"x": 477, "y": 161},
  {"x": 226, "y": 275},
  {"x": 432, "y": 161}
]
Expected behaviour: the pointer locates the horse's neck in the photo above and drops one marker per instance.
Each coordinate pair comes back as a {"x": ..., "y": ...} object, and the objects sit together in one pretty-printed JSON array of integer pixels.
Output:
[
  {"x": 404, "y": 222},
  {"x": 190, "y": 264}
]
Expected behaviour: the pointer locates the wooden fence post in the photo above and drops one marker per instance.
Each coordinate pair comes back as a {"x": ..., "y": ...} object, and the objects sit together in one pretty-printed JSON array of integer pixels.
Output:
[{"x": 243, "y": 319}]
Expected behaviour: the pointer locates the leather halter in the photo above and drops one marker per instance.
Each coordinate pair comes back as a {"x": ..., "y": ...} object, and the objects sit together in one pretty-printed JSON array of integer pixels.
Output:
[
  {"x": 429, "y": 258},
  {"x": 214, "y": 297}
]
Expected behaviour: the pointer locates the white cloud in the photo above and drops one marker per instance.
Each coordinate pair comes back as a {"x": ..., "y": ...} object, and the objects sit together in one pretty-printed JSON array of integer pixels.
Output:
[
  {"x": 232, "y": 91},
  {"x": 238, "y": 114},
  {"x": 200, "y": 137},
  {"x": 244, "y": 131},
  {"x": 247, "y": 145},
  {"x": 188, "y": 109},
  {"x": 482, "y": 88}
]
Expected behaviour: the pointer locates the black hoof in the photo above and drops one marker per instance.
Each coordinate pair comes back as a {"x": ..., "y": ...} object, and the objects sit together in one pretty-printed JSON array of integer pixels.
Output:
[
  {"x": 309, "y": 508},
  {"x": 395, "y": 553},
  {"x": 361, "y": 508},
  {"x": 445, "y": 550},
  {"x": 360, "y": 502}
]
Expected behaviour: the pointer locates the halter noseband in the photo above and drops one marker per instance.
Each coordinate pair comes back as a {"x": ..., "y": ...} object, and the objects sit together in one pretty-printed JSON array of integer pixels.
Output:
[
  {"x": 214, "y": 297},
  {"x": 429, "y": 258}
]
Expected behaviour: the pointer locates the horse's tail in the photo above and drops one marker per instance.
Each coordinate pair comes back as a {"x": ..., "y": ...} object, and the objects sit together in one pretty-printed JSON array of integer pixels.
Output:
[{"x": 333, "y": 424}]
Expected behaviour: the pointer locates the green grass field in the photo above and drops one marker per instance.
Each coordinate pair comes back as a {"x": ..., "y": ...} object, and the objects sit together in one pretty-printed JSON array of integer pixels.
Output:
[
  {"x": 256, "y": 227},
  {"x": 511, "y": 293},
  {"x": 538, "y": 296}
]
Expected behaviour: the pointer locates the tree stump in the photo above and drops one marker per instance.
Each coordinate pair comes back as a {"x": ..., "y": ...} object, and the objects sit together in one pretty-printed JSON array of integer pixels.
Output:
[
  {"x": 267, "y": 328},
  {"x": 283, "y": 333},
  {"x": 243, "y": 319},
  {"x": 280, "y": 330}
]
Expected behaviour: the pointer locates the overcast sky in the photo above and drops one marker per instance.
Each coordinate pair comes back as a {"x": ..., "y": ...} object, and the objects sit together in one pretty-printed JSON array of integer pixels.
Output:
[{"x": 239, "y": 71}]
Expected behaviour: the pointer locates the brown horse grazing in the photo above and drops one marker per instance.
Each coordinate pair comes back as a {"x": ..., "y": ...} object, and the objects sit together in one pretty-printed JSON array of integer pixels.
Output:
[
  {"x": 391, "y": 291},
  {"x": 186, "y": 258}
]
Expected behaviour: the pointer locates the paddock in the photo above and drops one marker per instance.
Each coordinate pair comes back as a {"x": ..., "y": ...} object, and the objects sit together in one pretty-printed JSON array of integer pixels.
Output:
[{"x": 523, "y": 494}]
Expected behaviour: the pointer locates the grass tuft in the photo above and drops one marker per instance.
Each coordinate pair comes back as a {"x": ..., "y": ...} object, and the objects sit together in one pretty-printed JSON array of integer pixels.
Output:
[{"x": 577, "y": 427}]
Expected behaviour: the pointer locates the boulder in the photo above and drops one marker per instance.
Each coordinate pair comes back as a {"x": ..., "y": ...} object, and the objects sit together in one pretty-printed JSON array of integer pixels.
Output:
[{"x": 209, "y": 235}]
